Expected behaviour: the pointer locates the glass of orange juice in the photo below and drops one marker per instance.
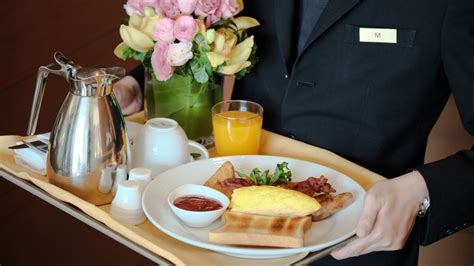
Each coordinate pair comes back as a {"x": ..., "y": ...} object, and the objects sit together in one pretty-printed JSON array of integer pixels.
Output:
[{"x": 237, "y": 127}]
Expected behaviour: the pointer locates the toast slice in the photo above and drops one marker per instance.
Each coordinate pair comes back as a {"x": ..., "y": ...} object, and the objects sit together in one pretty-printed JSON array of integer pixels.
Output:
[
  {"x": 258, "y": 230},
  {"x": 224, "y": 172}
]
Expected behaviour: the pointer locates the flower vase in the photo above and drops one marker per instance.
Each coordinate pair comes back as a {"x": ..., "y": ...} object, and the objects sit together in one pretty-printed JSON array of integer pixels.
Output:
[{"x": 185, "y": 100}]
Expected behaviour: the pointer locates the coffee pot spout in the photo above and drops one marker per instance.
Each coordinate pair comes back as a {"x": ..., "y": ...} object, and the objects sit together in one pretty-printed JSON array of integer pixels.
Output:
[{"x": 95, "y": 81}]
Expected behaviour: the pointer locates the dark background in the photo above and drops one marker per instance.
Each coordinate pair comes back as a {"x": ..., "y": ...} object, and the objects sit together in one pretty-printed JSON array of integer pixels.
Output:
[
  {"x": 85, "y": 31},
  {"x": 34, "y": 233}
]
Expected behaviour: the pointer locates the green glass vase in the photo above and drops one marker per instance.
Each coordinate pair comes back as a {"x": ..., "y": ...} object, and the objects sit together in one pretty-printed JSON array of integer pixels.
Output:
[{"x": 185, "y": 100}]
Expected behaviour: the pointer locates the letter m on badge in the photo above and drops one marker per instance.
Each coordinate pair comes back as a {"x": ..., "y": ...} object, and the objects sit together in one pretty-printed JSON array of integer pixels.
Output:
[{"x": 378, "y": 35}]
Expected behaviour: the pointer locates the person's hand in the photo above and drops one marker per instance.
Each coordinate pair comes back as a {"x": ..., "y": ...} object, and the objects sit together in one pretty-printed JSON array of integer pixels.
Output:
[
  {"x": 388, "y": 216},
  {"x": 128, "y": 93}
]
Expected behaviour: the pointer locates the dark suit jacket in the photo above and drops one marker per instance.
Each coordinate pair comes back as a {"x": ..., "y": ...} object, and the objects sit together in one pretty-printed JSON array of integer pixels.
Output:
[{"x": 374, "y": 103}]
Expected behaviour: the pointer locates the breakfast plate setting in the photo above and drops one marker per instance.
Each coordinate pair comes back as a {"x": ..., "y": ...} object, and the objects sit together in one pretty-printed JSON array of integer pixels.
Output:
[{"x": 158, "y": 207}]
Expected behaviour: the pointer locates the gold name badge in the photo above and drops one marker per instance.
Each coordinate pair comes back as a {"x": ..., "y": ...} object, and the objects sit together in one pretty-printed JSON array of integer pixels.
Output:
[{"x": 376, "y": 35}]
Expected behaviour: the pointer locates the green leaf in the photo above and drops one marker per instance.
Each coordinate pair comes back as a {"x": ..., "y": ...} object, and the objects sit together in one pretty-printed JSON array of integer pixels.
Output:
[
  {"x": 200, "y": 67},
  {"x": 194, "y": 65},
  {"x": 204, "y": 60},
  {"x": 276, "y": 175},
  {"x": 199, "y": 39},
  {"x": 208, "y": 69},
  {"x": 203, "y": 46},
  {"x": 254, "y": 175},
  {"x": 286, "y": 173},
  {"x": 224, "y": 23},
  {"x": 282, "y": 174},
  {"x": 143, "y": 57},
  {"x": 147, "y": 59},
  {"x": 201, "y": 75},
  {"x": 241, "y": 174},
  {"x": 206, "y": 48},
  {"x": 126, "y": 52},
  {"x": 265, "y": 177}
]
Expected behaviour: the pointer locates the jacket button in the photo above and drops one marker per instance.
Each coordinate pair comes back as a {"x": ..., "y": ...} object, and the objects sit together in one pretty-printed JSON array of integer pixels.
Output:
[
  {"x": 286, "y": 76},
  {"x": 449, "y": 232}
]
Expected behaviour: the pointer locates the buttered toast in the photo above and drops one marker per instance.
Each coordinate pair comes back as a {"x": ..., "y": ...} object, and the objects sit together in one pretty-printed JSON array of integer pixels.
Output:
[{"x": 260, "y": 230}]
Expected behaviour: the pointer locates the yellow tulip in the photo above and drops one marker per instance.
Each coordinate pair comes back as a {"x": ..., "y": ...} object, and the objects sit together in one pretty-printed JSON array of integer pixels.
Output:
[
  {"x": 232, "y": 69},
  {"x": 145, "y": 24},
  {"x": 216, "y": 59},
  {"x": 118, "y": 50},
  {"x": 240, "y": 3},
  {"x": 244, "y": 23},
  {"x": 219, "y": 41},
  {"x": 224, "y": 41},
  {"x": 135, "y": 39},
  {"x": 242, "y": 51},
  {"x": 226, "y": 50},
  {"x": 238, "y": 57},
  {"x": 138, "y": 33}
]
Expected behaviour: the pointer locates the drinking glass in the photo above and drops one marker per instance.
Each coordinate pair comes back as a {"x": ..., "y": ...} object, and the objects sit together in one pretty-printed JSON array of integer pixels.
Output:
[{"x": 237, "y": 127}]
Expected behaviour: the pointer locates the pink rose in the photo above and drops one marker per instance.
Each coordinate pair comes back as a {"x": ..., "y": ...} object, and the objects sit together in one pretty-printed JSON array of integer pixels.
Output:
[
  {"x": 164, "y": 31},
  {"x": 209, "y": 8},
  {"x": 187, "y": 6},
  {"x": 163, "y": 71},
  {"x": 179, "y": 53},
  {"x": 229, "y": 8},
  {"x": 170, "y": 8},
  {"x": 185, "y": 28},
  {"x": 133, "y": 6}
]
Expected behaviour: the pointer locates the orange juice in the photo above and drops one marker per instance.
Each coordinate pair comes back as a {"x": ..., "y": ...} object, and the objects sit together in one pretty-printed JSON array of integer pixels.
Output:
[{"x": 237, "y": 132}]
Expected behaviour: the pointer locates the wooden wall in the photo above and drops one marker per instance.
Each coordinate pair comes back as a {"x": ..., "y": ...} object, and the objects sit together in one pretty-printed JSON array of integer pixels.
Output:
[
  {"x": 85, "y": 31},
  {"x": 32, "y": 232}
]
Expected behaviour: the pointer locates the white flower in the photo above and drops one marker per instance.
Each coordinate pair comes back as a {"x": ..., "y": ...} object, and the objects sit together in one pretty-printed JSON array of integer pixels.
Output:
[{"x": 179, "y": 53}]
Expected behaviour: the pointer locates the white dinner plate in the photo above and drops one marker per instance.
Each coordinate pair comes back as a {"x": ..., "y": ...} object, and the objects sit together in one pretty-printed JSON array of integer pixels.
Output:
[{"x": 322, "y": 234}]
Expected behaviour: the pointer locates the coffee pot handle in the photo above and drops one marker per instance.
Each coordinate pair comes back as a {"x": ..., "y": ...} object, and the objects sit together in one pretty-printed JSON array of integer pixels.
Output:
[{"x": 43, "y": 72}]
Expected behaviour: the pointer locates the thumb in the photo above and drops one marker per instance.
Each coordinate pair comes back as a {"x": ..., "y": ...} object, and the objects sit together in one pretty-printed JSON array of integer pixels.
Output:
[{"x": 368, "y": 216}]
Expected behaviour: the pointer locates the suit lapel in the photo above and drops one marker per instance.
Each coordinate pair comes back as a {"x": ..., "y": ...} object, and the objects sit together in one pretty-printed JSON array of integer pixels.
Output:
[
  {"x": 285, "y": 20},
  {"x": 334, "y": 10}
]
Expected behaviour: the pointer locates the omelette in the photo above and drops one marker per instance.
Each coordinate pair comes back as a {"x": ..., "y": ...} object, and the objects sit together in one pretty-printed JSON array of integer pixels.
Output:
[{"x": 273, "y": 201}]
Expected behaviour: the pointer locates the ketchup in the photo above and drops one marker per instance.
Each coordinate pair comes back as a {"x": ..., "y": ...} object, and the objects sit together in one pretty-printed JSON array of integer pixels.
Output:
[{"x": 197, "y": 203}]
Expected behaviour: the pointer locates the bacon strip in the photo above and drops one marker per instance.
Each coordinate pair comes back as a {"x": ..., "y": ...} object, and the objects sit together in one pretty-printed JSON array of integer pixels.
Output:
[
  {"x": 232, "y": 183},
  {"x": 313, "y": 186}
]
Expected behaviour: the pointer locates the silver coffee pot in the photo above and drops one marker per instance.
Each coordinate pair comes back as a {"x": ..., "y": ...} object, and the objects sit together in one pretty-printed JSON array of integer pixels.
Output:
[{"x": 88, "y": 140}]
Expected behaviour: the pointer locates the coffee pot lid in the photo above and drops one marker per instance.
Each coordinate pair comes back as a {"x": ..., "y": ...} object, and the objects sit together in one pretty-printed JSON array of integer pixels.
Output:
[{"x": 88, "y": 81}]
